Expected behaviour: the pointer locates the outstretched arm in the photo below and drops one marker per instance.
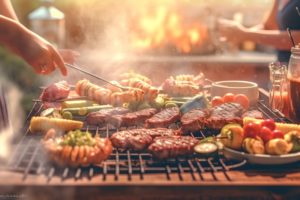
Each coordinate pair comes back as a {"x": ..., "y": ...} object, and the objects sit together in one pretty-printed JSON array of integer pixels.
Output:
[{"x": 36, "y": 51}]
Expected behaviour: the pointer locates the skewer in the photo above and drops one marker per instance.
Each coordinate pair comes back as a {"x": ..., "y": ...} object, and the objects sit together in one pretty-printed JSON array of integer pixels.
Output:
[
  {"x": 291, "y": 37},
  {"x": 62, "y": 100},
  {"x": 95, "y": 76}
]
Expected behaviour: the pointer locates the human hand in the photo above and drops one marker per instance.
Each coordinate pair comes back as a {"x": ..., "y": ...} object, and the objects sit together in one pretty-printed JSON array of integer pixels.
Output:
[
  {"x": 231, "y": 31},
  {"x": 68, "y": 55},
  {"x": 39, "y": 53}
]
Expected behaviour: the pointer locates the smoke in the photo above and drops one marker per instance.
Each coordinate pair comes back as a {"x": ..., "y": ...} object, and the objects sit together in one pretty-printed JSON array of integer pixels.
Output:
[{"x": 12, "y": 116}]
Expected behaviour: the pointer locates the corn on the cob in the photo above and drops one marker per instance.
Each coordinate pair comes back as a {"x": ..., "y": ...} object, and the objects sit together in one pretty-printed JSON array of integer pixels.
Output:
[
  {"x": 284, "y": 127},
  {"x": 43, "y": 124}
]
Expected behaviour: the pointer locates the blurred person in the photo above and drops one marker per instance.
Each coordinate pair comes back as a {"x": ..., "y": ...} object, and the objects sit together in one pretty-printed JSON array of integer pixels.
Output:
[
  {"x": 271, "y": 32},
  {"x": 35, "y": 50}
]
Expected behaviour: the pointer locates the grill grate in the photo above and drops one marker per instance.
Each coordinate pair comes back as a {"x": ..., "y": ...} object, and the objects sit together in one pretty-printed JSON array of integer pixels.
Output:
[{"x": 29, "y": 158}]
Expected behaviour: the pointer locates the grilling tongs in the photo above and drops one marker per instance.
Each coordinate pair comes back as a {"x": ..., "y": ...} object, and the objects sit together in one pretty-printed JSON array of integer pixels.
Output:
[{"x": 95, "y": 76}]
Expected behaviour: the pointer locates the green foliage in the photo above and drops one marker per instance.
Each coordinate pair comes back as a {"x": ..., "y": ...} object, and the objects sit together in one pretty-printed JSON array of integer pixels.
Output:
[{"x": 20, "y": 73}]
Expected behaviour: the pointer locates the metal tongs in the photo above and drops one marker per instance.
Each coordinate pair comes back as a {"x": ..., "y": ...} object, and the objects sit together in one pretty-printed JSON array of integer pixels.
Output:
[{"x": 76, "y": 67}]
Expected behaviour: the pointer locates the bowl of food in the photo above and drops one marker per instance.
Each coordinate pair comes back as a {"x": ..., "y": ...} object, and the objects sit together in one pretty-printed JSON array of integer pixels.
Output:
[{"x": 250, "y": 89}]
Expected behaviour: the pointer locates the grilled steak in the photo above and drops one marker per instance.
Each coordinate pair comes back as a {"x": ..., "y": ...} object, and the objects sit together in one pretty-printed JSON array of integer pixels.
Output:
[
  {"x": 132, "y": 119},
  {"x": 164, "y": 118},
  {"x": 172, "y": 146},
  {"x": 193, "y": 121},
  {"x": 224, "y": 114},
  {"x": 138, "y": 139},
  {"x": 100, "y": 118}
]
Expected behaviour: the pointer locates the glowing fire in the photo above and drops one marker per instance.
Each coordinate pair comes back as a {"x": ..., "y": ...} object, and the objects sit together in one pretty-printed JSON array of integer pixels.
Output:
[{"x": 165, "y": 26}]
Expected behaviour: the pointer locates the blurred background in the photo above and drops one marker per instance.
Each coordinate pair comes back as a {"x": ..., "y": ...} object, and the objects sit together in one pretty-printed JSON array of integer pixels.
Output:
[{"x": 130, "y": 27}]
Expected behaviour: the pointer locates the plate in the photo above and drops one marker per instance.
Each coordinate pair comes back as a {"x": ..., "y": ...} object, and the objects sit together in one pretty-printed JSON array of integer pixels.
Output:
[{"x": 261, "y": 159}]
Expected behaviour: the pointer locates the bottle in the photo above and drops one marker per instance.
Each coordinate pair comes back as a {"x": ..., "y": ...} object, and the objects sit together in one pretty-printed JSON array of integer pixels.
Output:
[
  {"x": 279, "y": 99},
  {"x": 49, "y": 22},
  {"x": 294, "y": 81}
]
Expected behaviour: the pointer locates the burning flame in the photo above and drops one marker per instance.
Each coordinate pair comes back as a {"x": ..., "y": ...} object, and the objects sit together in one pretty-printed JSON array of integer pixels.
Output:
[{"x": 165, "y": 26}]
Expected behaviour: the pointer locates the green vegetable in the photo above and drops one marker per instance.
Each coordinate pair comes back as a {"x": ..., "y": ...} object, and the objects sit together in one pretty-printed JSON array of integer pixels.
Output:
[
  {"x": 85, "y": 110},
  {"x": 78, "y": 138},
  {"x": 197, "y": 102},
  {"x": 170, "y": 104},
  {"x": 206, "y": 149},
  {"x": 158, "y": 103},
  {"x": 67, "y": 115}
]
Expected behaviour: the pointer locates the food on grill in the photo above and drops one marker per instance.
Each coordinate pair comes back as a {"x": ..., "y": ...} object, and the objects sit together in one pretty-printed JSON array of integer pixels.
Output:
[
  {"x": 132, "y": 118},
  {"x": 197, "y": 80},
  {"x": 150, "y": 91},
  {"x": 206, "y": 149},
  {"x": 224, "y": 114},
  {"x": 284, "y": 127},
  {"x": 232, "y": 136},
  {"x": 56, "y": 91},
  {"x": 197, "y": 102},
  {"x": 101, "y": 117},
  {"x": 277, "y": 146},
  {"x": 172, "y": 146},
  {"x": 138, "y": 139},
  {"x": 254, "y": 145},
  {"x": 243, "y": 100},
  {"x": 76, "y": 104},
  {"x": 174, "y": 87},
  {"x": 76, "y": 148},
  {"x": 164, "y": 118},
  {"x": 43, "y": 124},
  {"x": 51, "y": 112},
  {"x": 293, "y": 139},
  {"x": 217, "y": 101},
  {"x": 83, "y": 111},
  {"x": 192, "y": 121},
  {"x": 103, "y": 95}
]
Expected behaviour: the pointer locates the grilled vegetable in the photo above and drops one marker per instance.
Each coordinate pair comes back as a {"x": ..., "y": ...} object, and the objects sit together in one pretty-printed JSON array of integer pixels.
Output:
[
  {"x": 293, "y": 139},
  {"x": 278, "y": 146},
  {"x": 206, "y": 149},
  {"x": 199, "y": 101},
  {"x": 232, "y": 136},
  {"x": 67, "y": 115},
  {"x": 76, "y": 104},
  {"x": 254, "y": 145},
  {"x": 284, "y": 127},
  {"x": 43, "y": 124},
  {"x": 51, "y": 112},
  {"x": 85, "y": 110}
]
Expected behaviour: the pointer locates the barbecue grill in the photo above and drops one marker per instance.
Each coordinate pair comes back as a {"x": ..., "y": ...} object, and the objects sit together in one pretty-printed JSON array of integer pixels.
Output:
[{"x": 29, "y": 158}]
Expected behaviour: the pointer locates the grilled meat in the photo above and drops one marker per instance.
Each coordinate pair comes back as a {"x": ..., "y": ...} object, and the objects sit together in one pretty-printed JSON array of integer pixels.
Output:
[
  {"x": 172, "y": 146},
  {"x": 193, "y": 121},
  {"x": 138, "y": 139},
  {"x": 224, "y": 114},
  {"x": 101, "y": 117},
  {"x": 106, "y": 96},
  {"x": 56, "y": 91},
  {"x": 132, "y": 119},
  {"x": 164, "y": 118}
]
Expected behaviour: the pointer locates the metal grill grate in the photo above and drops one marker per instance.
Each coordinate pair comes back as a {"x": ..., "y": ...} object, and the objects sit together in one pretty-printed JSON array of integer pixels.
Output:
[{"x": 29, "y": 158}]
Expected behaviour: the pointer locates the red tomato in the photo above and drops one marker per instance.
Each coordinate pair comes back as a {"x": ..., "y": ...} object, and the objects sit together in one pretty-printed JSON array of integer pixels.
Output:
[
  {"x": 269, "y": 123},
  {"x": 229, "y": 97},
  {"x": 242, "y": 99},
  {"x": 216, "y": 101},
  {"x": 266, "y": 134},
  {"x": 278, "y": 134},
  {"x": 251, "y": 130}
]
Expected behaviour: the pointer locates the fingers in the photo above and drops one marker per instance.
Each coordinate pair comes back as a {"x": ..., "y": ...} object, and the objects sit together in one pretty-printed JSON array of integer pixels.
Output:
[{"x": 58, "y": 61}]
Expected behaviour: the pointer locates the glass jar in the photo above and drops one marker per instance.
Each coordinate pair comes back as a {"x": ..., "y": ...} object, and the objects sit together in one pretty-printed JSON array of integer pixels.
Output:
[
  {"x": 279, "y": 99},
  {"x": 294, "y": 81}
]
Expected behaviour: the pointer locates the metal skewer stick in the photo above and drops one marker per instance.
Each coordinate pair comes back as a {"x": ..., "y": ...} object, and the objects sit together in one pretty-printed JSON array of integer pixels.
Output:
[{"x": 95, "y": 76}]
